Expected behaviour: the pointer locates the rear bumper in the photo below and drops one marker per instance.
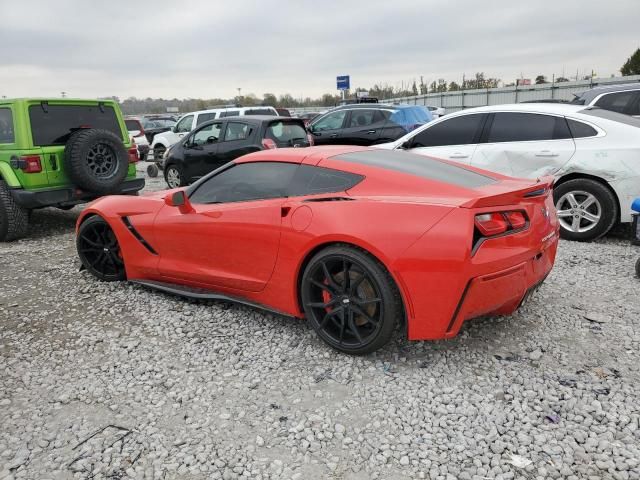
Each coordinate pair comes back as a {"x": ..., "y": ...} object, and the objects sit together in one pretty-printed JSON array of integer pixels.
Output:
[
  {"x": 68, "y": 196},
  {"x": 501, "y": 292}
]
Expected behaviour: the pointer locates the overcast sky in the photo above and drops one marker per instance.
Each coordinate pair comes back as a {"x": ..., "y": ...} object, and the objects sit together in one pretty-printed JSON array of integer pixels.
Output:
[{"x": 208, "y": 49}]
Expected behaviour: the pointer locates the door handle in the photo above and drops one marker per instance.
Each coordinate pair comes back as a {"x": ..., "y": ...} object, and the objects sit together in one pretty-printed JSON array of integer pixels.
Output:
[
  {"x": 370, "y": 132},
  {"x": 458, "y": 155},
  {"x": 546, "y": 153},
  {"x": 333, "y": 135}
]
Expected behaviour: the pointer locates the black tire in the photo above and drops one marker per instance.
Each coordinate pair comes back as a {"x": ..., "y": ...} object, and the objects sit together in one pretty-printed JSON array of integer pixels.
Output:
[
  {"x": 99, "y": 250},
  {"x": 638, "y": 268},
  {"x": 96, "y": 160},
  {"x": 152, "y": 170},
  {"x": 14, "y": 220},
  {"x": 350, "y": 300},
  {"x": 158, "y": 152},
  {"x": 174, "y": 176},
  {"x": 143, "y": 157},
  {"x": 585, "y": 223}
]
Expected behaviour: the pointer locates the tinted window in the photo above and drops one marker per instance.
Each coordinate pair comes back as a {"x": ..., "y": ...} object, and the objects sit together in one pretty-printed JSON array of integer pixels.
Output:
[
  {"x": 634, "y": 108},
  {"x": 309, "y": 180},
  {"x": 205, "y": 117},
  {"x": 236, "y": 131},
  {"x": 230, "y": 113},
  {"x": 6, "y": 126},
  {"x": 418, "y": 165},
  {"x": 362, "y": 118},
  {"x": 526, "y": 127},
  {"x": 581, "y": 130},
  {"x": 133, "y": 125},
  {"x": 616, "y": 102},
  {"x": 185, "y": 124},
  {"x": 453, "y": 131},
  {"x": 55, "y": 125},
  {"x": 207, "y": 135},
  {"x": 332, "y": 121},
  {"x": 286, "y": 134},
  {"x": 246, "y": 181},
  {"x": 260, "y": 111}
]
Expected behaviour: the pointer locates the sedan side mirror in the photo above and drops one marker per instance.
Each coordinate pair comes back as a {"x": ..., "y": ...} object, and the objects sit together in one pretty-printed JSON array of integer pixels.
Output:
[
  {"x": 180, "y": 200},
  {"x": 406, "y": 145}
]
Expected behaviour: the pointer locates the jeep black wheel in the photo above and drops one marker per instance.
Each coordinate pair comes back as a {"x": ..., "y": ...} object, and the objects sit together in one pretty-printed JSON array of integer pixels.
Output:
[
  {"x": 350, "y": 300},
  {"x": 152, "y": 170},
  {"x": 96, "y": 160},
  {"x": 14, "y": 220},
  {"x": 99, "y": 250}
]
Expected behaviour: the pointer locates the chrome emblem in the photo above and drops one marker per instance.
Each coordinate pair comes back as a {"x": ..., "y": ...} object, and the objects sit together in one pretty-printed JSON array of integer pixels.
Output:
[{"x": 545, "y": 212}]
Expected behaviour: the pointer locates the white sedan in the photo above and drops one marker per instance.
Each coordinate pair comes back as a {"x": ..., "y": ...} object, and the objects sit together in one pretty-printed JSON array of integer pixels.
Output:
[{"x": 594, "y": 155}]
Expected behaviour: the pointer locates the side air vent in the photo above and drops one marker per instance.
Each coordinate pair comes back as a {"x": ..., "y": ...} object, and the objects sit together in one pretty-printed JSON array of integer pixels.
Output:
[
  {"x": 139, "y": 237},
  {"x": 536, "y": 193},
  {"x": 330, "y": 199}
]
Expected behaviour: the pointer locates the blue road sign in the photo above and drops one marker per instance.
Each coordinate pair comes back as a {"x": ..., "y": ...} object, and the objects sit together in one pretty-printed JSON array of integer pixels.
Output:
[{"x": 343, "y": 82}]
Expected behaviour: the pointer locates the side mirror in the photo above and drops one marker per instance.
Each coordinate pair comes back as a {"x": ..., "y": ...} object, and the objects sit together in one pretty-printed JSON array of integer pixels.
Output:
[
  {"x": 174, "y": 129},
  {"x": 406, "y": 145},
  {"x": 179, "y": 199}
]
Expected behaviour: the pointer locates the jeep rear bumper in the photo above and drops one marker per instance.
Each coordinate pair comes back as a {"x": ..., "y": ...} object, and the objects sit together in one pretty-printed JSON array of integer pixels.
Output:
[{"x": 68, "y": 196}]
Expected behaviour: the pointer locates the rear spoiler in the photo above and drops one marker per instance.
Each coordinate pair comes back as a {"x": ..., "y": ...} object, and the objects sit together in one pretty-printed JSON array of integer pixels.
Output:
[{"x": 541, "y": 189}]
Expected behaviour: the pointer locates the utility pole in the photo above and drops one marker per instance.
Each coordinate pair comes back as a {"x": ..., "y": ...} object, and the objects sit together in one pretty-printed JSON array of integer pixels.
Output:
[{"x": 63, "y": 94}]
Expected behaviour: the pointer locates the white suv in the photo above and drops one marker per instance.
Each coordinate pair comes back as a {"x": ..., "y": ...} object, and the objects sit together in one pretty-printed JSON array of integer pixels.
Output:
[{"x": 189, "y": 121}]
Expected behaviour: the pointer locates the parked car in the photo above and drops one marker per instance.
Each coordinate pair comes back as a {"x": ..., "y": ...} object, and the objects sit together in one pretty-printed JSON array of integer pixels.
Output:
[
  {"x": 354, "y": 101},
  {"x": 307, "y": 117},
  {"x": 593, "y": 154},
  {"x": 618, "y": 98},
  {"x": 436, "y": 112},
  {"x": 357, "y": 241},
  {"x": 59, "y": 153},
  {"x": 162, "y": 141},
  {"x": 138, "y": 134},
  {"x": 283, "y": 112},
  {"x": 154, "y": 125},
  {"x": 367, "y": 124},
  {"x": 215, "y": 143}
]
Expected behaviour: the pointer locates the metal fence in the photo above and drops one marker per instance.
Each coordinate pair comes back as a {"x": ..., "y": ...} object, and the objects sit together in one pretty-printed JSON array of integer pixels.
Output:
[{"x": 460, "y": 99}]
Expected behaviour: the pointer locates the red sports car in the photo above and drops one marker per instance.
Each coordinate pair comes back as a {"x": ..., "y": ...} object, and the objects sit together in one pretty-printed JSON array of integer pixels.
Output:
[{"x": 356, "y": 240}]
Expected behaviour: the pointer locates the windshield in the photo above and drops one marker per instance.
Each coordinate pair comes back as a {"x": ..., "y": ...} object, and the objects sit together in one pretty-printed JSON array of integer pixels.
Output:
[{"x": 286, "y": 134}]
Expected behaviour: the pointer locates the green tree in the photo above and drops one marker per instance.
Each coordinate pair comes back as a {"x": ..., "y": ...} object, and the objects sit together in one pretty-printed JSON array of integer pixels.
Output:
[
  {"x": 454, "y": 87},
  {"x": 632, "y": 65},
  {"x": 414, "y": 88},
  {"x": 561, "y": 80},
  {"x": 540, "y": 79},
  {"x": 269, "y": 99}
]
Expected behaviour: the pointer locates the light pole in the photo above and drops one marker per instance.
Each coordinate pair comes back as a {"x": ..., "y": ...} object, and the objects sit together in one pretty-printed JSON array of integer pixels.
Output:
[{"x": 239, "y": 96}]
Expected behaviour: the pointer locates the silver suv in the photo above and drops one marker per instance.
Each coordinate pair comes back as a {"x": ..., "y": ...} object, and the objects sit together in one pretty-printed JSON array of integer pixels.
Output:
[{"x": 618, "y": 98}]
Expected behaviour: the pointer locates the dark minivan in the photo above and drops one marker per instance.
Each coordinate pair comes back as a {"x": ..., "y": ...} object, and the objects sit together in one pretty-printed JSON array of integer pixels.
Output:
[{"x": 217, "y": 142}]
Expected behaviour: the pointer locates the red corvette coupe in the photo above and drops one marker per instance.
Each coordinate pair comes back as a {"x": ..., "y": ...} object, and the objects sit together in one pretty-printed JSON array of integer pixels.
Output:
[{"x": 356, "y": 240}]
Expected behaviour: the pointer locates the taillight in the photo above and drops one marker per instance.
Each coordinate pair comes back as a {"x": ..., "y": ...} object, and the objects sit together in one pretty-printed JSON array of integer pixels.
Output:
[
  {"x": 133, "y": 154},
  {"x": 31, "y": 164},
  {"x": 268, "y": 144},
  {"x": 310, "y": 140},
  {"x": 496, "y": 223}
]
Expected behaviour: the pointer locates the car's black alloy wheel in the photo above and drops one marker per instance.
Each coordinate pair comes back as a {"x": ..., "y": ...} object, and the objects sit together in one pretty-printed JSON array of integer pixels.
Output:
[
  {"x": 350, "y": 300},
  {"x": 99, "y": 250}
]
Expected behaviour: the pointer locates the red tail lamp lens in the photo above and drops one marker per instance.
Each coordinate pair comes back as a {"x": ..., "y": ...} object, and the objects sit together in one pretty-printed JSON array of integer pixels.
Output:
[
  {"x": 491, "y": 224},
  {"x": 516, "y": 219}
]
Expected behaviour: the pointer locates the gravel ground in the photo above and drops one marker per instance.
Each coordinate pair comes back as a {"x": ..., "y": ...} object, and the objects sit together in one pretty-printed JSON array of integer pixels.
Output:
[{"x": 103, "y": 380}]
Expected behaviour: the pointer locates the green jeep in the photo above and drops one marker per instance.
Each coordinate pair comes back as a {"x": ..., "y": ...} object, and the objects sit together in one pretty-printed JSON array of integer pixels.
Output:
[{"x": 59, "y": 153}]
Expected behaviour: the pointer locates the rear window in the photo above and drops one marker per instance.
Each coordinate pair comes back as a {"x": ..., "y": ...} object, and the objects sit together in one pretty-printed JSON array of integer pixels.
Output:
[
  {"x": 7, "y": 134},
  {"x": 609, "y": 115},
  {"x": 132, "y": 125},
  {"x": 205, "y": 117},
  {"x": 260, "y": 111},
  {"x": 411, "y": 116},
  {"x": 230, "y": 113},
  {"x": 54, "y": 124},
  {"x": 418, "y": 166},
  {"x": 286, "y": 134}
]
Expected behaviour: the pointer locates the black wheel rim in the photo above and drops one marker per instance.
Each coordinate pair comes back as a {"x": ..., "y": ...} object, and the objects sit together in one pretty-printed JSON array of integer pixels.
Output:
[
  {"x": 102, "y": 160},
  {"x": 344, "y": 302},
  {"x": 99, "y": 250}
]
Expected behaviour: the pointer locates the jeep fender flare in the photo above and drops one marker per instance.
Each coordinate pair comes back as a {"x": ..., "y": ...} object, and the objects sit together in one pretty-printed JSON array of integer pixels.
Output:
[{"x": 8, "y": 175}]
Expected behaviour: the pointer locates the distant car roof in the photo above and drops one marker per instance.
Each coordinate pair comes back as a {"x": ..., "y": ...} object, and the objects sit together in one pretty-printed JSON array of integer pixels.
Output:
[
  {"x": 370, "y": 106},
  {"x": 558, "y": 108},
  {"x": 589, "y": 95},
  {"x": 255, "y": 119}
]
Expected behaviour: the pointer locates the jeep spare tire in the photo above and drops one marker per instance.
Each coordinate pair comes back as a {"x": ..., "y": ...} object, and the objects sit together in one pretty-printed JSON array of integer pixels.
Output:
[{"x": 96, "y": 160}]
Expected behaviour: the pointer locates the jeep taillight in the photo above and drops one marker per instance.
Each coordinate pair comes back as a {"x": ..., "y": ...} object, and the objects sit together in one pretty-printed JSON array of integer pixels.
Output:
[
  {"x": 31, "y": 164},
  {"x": 133, "y": 154}
]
